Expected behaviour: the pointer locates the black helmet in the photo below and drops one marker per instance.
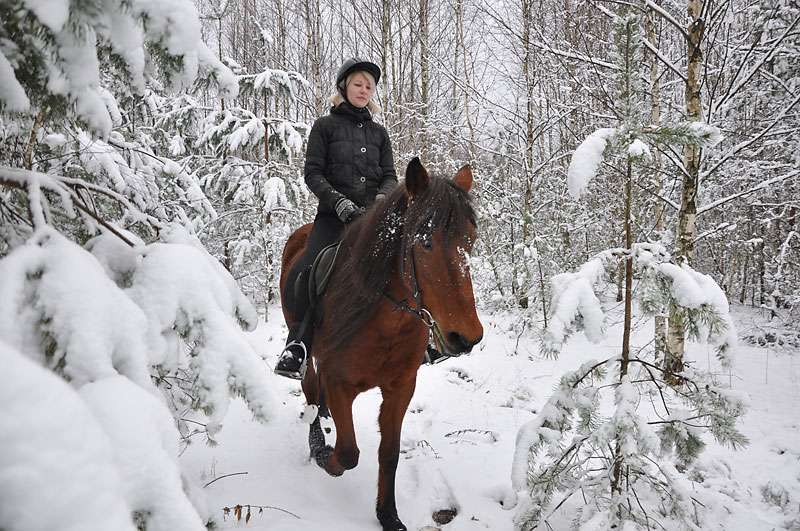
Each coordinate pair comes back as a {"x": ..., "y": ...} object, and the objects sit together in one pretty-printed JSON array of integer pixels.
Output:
[{"x": 355, "y": 64}]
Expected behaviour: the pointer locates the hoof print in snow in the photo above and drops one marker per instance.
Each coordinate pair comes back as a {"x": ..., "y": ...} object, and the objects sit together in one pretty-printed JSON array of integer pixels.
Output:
[
  {"x": 461, "y": 374},
  {"x": 445, "y": 516}
]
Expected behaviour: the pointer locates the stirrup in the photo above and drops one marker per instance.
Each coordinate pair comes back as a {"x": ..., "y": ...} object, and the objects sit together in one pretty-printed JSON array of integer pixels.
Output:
[
  {"x": 300, "y": 373},
  {"x": 433, "y": 360}
]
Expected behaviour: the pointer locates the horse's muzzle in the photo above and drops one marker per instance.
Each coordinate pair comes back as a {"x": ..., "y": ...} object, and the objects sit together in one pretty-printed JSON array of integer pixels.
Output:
[
  {"x": 461, "y": 344},
  {"x": 454, "y": 343}
]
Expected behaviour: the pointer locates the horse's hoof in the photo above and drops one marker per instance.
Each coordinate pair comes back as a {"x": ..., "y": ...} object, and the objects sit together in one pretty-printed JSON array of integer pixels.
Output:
[
  {"x": 391, "y": 522},
  {"x": 323, "y": 459},
  {"x": 445, "y": 516}
]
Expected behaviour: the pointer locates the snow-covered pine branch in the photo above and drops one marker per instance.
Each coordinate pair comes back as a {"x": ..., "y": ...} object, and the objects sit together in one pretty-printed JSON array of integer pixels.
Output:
[
  {"x": 586, "y": 161},
  {"x": 589, "y": 155},
  {"x": 113, "y": 320},
  {"x": 141, "y": 37},
  {"x": 575, "y": 305}
]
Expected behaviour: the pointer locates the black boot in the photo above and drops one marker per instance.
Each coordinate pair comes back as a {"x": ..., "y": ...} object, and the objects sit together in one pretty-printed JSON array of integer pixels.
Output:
[
  {"x": 293, "y": 361},
  {"x": 432, "y": 355}
]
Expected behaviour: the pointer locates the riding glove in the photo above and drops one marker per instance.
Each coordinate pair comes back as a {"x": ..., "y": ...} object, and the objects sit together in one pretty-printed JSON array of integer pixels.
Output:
[{"x": 347, "y": 210}]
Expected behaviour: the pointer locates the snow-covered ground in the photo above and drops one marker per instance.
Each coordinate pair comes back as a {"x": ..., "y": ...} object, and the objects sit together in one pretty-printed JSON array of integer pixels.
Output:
[{"x": 459, "y": 437}]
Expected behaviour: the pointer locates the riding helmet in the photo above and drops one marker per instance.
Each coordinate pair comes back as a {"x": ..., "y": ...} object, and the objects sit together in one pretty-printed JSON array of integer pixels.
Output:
[{"x": 355, "y": 64}]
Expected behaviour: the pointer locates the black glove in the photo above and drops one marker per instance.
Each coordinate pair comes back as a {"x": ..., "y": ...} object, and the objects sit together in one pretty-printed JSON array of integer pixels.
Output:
[{"x": 347, "y": 210}]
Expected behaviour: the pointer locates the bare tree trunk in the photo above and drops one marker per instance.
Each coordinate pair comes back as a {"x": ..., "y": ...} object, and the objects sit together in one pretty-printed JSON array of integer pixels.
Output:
[
  {"x": 311, "y": 12},
  {"x": 743, "y": 292},
  {"x": 658, "y": 211},
  {"x": 467, "y": 80},
  {"x": 424, "y": 51},
  {"x": 266, "y": 131},
  {"x": 687, "y": 217},
  {"x": 616, "y": 478},
  {"x": 530, "y": 116},
  {"x": 387, "y": 51},
  {"x": 734, "y": 267}
]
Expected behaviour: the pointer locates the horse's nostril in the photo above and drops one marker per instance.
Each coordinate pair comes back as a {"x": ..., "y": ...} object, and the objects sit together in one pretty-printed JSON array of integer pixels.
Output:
[{"x": 461, "y": 343}]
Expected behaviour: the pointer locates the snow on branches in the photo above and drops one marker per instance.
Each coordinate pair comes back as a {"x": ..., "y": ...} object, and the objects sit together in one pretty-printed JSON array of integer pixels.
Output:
[
  {"x": 625, "y": 456},
  {"x": 576, "y": 305},
  {"x": 149, "y": 339},
  {"x": 140, "y": 37},
  {"x": 633, "y": 143}
]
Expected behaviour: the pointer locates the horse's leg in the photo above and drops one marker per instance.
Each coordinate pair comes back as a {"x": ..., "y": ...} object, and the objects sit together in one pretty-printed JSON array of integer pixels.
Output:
[
  {"x": 393, "y": 409},
  {"x": 345, "y": 455},
  {"x": 311, "y": 388}
]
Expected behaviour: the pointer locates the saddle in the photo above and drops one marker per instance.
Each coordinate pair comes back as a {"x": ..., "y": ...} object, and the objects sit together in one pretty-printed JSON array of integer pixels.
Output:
[{"x": 320, "y": 275}]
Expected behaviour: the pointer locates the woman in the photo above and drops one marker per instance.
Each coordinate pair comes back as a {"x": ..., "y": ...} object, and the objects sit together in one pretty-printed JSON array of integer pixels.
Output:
[{"x": 349, "y": 165}]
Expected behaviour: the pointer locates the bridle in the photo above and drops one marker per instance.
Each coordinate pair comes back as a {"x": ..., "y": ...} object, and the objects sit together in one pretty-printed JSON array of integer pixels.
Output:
[{"x": 420, "y": 312}]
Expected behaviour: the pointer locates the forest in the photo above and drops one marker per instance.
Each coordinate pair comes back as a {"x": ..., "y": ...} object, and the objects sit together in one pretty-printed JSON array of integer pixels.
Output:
[{"x": 147, "y": 148}]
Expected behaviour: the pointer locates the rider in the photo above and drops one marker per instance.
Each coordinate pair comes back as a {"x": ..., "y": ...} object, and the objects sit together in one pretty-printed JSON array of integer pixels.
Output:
[{"x": 349, "y": 165}]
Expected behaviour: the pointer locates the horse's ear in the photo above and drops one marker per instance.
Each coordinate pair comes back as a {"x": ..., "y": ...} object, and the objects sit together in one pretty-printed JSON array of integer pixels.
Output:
[
  {"x": 416, "y": 178},
  {"x": 464, "y": 178}
]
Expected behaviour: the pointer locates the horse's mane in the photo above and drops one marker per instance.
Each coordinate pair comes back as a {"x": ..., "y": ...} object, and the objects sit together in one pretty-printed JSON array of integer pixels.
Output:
[{"x": 368, "y": 252}]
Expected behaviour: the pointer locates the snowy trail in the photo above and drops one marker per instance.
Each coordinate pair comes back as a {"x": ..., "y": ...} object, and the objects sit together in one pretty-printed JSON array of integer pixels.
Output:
[{"x": 458, "y": 442}]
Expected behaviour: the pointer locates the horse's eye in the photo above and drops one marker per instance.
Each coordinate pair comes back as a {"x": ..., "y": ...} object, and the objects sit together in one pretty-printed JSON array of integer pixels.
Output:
[{"x": 427, "y": 244}]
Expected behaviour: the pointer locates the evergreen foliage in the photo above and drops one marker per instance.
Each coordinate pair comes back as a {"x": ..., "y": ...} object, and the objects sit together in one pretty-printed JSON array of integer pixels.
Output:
[{"x": 624, "y": 456}]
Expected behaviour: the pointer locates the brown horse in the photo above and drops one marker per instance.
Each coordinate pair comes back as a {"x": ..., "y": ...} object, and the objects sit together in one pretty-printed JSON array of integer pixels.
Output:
[{"x": 402, "y": 270}]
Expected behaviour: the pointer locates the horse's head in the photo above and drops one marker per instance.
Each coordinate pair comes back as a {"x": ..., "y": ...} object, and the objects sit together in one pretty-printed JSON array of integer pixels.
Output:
[{"x": 440, "y": 230}]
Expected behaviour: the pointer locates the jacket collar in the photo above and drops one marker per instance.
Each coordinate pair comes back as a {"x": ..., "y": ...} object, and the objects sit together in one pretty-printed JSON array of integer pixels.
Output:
[{"x": 352, "y": 112}]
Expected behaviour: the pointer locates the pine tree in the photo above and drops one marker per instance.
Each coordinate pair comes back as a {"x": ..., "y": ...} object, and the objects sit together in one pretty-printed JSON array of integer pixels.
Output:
[
  {"x": 100, "y": 198},
  {"x": 622, "y": 460}
]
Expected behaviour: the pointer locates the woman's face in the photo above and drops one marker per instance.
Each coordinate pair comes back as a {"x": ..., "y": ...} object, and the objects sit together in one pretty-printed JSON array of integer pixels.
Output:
[{"x": 359, "y": 90}]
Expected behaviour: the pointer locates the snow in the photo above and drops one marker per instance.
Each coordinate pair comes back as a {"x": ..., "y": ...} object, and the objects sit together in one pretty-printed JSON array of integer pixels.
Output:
[
  {"x": 72, "y": 68},
  {"x": 638, "y": 149},
  {"x": 86, "y": 326},
  {"x": 586, "y": 161},
  {"x": 274, "y": 194},
  {"x": 458, "y": 444},
  {"x": 56, "y": 463},
  {"x": 87, "y": 317},
  {"x": 692, "y": 289},
  {"x": 11, "y": 92},
  {"x": 572, "y": 295},
  {"x": 145, "y": 452},
  {"x": 226, "y": 80},
  {"x": 51, "y": 13},
  {"x": 707, "y": 135},
  {"x": 497, "y": 391}
]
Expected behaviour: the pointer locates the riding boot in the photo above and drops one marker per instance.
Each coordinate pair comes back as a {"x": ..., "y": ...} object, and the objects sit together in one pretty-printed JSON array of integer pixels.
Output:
[{"x": 293, "y": 360}]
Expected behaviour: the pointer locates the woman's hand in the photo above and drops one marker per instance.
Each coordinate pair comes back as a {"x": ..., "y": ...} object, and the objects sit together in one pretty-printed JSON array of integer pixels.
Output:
[{"x": 347, "y": 210}]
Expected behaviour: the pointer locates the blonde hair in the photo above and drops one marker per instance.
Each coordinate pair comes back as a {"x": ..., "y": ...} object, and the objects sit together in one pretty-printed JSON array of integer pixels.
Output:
[{"x": 337, "y": 98}]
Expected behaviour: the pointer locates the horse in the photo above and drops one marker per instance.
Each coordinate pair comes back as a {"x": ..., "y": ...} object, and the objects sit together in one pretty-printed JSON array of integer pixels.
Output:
[{"x": 402, "y": 272}]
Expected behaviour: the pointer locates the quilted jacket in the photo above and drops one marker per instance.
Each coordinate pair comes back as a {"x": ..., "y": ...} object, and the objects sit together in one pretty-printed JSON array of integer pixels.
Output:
[{"x": 348, "y": 155}]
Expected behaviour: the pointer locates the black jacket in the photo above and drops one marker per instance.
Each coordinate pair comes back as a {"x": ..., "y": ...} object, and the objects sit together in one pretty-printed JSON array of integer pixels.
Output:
[{"x": 348, "y": 155}]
